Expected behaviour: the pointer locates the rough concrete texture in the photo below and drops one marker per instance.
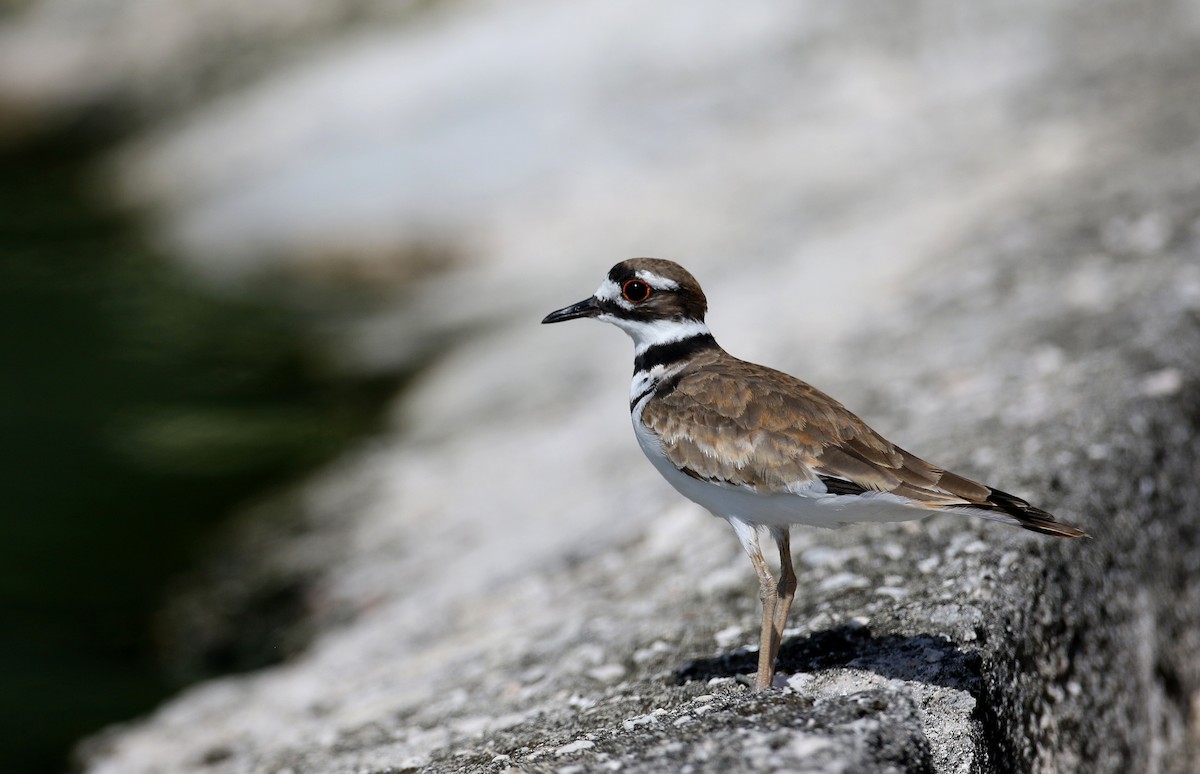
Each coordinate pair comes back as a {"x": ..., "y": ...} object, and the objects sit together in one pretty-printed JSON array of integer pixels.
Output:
[{"x": 981, "y": 231}]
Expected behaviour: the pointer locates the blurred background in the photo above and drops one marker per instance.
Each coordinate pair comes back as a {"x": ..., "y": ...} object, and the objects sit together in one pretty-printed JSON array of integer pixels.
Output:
[{"x": 232, "y": 234}]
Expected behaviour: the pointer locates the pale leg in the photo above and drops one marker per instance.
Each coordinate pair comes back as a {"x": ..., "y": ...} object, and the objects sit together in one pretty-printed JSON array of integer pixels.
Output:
[
  {"x": 786, "y": 590},
  {"x": 768, "y": 592}
]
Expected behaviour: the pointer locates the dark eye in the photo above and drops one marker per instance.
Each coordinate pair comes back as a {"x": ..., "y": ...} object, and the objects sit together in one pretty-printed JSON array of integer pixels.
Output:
[{"x": 635, "y": 291}]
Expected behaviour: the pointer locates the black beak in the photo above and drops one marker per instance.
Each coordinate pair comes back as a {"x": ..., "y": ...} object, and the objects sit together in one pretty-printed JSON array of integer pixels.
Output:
[{"x": 585, "y": 308}]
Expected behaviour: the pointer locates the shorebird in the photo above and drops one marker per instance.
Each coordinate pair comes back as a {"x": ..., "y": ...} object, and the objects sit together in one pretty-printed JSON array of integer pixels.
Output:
[{"x": 762, "y": 449}]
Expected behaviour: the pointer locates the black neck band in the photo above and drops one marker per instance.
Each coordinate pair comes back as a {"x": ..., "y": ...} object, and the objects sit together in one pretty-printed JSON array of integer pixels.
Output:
[{"x": 665, "y": 354}]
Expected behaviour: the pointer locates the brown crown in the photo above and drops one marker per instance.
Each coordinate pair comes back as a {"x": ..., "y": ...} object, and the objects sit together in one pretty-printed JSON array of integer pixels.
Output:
[{"x": 687, "y": 302}]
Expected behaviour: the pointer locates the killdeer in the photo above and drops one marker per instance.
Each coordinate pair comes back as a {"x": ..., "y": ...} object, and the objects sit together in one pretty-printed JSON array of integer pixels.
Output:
[{"x": 762, "y": 449}]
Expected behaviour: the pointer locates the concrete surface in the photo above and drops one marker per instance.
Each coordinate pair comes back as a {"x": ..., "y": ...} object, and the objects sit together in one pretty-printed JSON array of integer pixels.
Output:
[{"x": 977, "y": 226}]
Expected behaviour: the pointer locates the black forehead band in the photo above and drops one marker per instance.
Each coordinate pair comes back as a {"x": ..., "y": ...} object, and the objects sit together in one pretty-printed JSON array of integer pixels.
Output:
[{"x": 618, "y": 274}]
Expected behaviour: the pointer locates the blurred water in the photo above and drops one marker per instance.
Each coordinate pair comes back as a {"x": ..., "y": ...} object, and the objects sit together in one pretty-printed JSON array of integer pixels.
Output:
[{"x": 136, "y": 411}]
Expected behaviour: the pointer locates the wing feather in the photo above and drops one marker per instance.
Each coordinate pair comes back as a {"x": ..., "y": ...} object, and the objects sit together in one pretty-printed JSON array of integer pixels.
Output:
[
  {"x": 740, "y": 424},
  {"x": 747, "y": 425}
]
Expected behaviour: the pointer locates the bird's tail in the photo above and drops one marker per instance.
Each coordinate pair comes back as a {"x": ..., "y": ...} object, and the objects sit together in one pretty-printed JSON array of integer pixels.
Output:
[{"x": 1026, "y": 515}]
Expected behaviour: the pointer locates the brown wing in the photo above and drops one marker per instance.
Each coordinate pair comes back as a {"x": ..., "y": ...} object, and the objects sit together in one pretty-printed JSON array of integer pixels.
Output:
[
  {"x": 737, "y": 423},
  {"x": 743, "y": 424}
]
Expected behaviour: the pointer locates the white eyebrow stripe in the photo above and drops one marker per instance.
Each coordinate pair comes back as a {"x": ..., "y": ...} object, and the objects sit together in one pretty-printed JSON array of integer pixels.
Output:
[{"x": 657, "y": 282}]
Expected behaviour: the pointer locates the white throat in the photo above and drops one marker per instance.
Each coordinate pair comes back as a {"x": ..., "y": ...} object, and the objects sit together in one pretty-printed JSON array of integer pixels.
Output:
[{"x": 647, "y": 334}]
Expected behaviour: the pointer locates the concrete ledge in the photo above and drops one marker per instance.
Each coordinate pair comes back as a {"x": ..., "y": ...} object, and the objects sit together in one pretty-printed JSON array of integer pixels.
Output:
[
  {"x": 504, "y": 586},
  {"x": 955, "y": 646}
]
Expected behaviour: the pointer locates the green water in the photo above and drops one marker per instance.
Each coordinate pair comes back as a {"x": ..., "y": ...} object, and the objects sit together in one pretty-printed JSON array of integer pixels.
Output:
[{"x": 136, "y": 411}]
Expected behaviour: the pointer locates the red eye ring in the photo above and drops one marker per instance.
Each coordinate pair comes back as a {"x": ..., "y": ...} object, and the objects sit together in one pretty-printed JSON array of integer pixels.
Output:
[{"x": 635, "y": 291}]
